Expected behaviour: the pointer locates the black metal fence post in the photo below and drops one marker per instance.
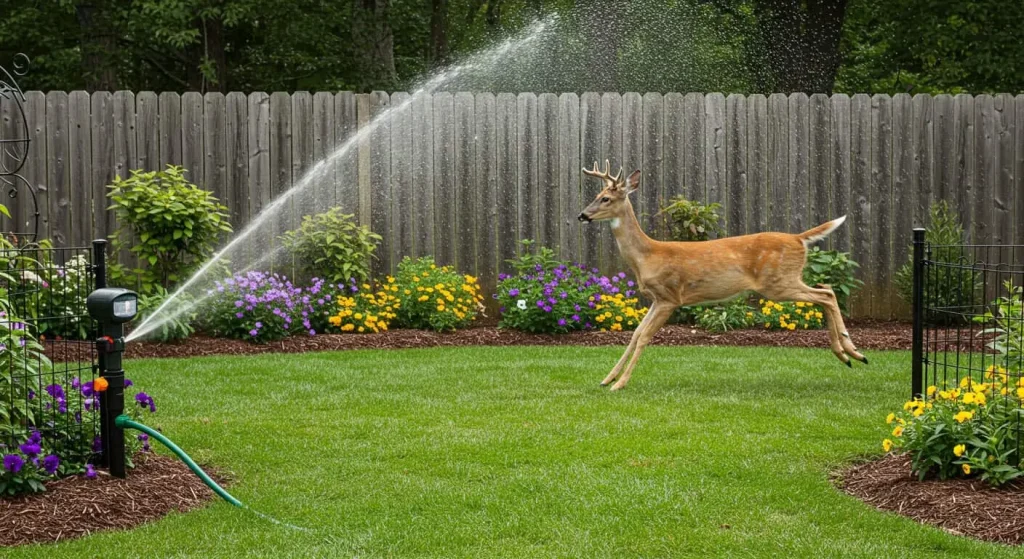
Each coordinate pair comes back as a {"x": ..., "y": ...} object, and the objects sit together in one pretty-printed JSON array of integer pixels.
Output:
[
  {"x": 917, "y": 356},
  {"x": 110, "y": 346}
]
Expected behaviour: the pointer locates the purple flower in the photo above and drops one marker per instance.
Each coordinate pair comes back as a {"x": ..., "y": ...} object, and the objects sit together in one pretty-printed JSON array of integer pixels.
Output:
[
  {"x": 561, "y": 322},
  {"x": 51, "y": 463},
  {"x": 87, "y": 389},
  {"x": 576, "y": 318},
  {"x": 56, "y": 391},
  {"x": 13, "y": 463},
  {"x": 35, "y": 437},
  {"x": 547, "y": 308},
  {"x": 513, "y": 292},
  {"x": 563, "y": 295},
  {"x": 88, "y": 404},
  {"x": 143, "y": 437},
  {"x": 253, "y": 333},
  {"x": 30, "y": 449},
  {"x": 128, "y": 382},
  {"x": 90, "y": 472},
  {"x": 97, "y": 444},
  {"x": 75, "y": 383},
  {"x": 144, "y": 400},
  {"x": 238, "y": 304},
  {"x": 630, "y": 283},
  {"x": 78, "y": 417},
  {"x": 540, "y": 304},
  {"x": 239, "y": 315},
  {"x": 18, "y": 326},
  {"x": 312, "y": 332},
  {"x": 31, "y": 393}
]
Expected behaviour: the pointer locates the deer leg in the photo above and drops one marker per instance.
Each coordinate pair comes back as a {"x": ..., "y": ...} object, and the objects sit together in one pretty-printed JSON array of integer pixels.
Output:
[
  {"x": 655, "y": 319},
  {"x": 625, "y": 355},
  {"x": 827, "y": 299}
]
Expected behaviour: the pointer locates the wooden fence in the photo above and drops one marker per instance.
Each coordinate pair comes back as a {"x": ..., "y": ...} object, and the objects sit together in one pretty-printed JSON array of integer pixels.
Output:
[{"x": 464, "y": 176}]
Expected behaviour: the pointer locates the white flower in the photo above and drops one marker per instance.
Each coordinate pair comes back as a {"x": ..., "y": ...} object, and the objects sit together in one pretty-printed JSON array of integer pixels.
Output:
[{"x": 521, "y": 304}]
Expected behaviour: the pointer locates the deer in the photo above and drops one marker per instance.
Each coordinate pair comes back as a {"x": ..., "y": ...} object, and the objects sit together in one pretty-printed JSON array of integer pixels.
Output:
[{"x": 678, "y": 274}]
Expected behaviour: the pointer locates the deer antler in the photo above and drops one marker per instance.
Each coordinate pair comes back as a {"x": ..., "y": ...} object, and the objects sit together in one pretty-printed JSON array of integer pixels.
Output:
[{"x": 606, "y": 174}]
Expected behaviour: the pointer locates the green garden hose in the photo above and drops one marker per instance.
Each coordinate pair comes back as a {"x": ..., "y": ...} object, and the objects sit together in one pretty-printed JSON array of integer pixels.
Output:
[{"x": 123, "y": 422}]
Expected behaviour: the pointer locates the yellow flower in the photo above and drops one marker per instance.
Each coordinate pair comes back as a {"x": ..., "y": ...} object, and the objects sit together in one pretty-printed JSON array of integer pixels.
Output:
[
  {"x": 980, "y": 398},
  {"x": 347, "y": 328},
  {"x": 898, "y": 431},
  {"x": 818, "y": 315},
  {"x": 616, "y": 327},
  {"x": 958, "y": 450},
  {"x": 422, "y": 298},
  {"x": 967, "y": 469},
  {"x": 366, "y": 286},
  {"x": 890, "y": 418},
  {"x": 361, "y": 329},
  {"x": 963, "y": 416},
  {"x": 964, "y": 382},
  {"x": 358, "y": 316},
  {"x": 887, "y": 445},
  {"x": 969, "y": 398},
  {"x": 919, "y": 412},
  {"x": 1020, "y": 393},
  {"x": 792, "y": 326},
  {"x": 931, "y": 390}
]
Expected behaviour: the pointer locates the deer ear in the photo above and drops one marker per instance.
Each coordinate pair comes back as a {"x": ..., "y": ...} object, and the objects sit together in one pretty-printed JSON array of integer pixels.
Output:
[{"x": 633, "y": 181}]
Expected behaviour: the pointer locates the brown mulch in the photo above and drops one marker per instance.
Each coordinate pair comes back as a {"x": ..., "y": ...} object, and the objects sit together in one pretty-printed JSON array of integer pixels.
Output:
[
  {"x": 75, "y": 506},
  {"x": 965, "y": 507},
  {"x": 867, "y": 335}
]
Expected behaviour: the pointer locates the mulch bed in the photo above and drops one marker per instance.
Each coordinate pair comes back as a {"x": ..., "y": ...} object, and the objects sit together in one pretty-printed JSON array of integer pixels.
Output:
[
  {"x": 865, "y": 334},
  {"x": 75, "y": 506},
  {"x": 963, "y": 507}
]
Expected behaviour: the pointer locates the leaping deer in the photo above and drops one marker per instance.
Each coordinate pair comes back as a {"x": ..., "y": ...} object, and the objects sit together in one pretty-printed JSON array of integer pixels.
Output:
[{"x": 674, "y": 274}]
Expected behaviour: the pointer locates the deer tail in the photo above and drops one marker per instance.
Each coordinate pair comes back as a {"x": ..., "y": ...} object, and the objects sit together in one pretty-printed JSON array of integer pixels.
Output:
[{"x": 820, "y": 232}]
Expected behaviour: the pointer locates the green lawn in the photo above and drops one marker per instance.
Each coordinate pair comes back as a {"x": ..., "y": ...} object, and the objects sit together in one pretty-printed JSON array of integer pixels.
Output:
[{"x": 516, "y": 452}]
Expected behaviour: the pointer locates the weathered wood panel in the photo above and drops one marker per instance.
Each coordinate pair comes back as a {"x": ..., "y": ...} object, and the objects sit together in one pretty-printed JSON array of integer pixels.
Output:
[
  {"x": 610, "y": 148},
  {"x": 280, "y": 169},
  {"x": 401, "y": 231},
  {"x": 799, "y": 163},
  {"x": 380, "y": 180},
  {"x": 904, "y": 198},
  {"x": 444, "y": 179},
  {"x": 58, "y": 168},
  {"x": 423, "y": 175},
  {"x": 675, "y": 164},
  {"x": 192, "y": 151},
  {"x": 147, "y": 130},
  {"x": 944, "y": 136},
  {"x": 101, "y": 164},
  {"x": 590, "y": 152},
  {"x": 736, "y": 163},
  {"x": 923, "y": 140},
  {"x": 346, "y": 162},
  {"x": 465, "y": 199},
  {"x": 861, "y": 214},
  {"x": 258, "y": 139},
  {"x": 170, "y": 128},
  {"x": 1006, "y": 186},
  {"x": 125, "y": 158},
  {"x": 778, "y": 162},
  {"x": 693, "y": 152},
  {"x": 632, "y": 148},
  {"x": 33, "y": 216},
  {"x": 304, "y": 199},
  {"x": 715, "y": 153},
  {"x": 507, "y": 161},
  {"x": 526, "y": 122},
  {"x": 569, "y": 174},
  {"x": 819, "y": 161},
  {"x": 653, "y": 174},
  {"x": 237, "y": 159},
  {"x": 486, "y": 231},
  {"x": 80, "y": 138},
  {"x": 840, "y": 154},
  {"x": 548, "y": 211},
  {"x": 1018, "y": 133},
  {"x": 880, "y": 226},
  {"x": 963, "y": 149},
  {"x": 215, "y": 146},
  {"x": 757, "y": 161}
]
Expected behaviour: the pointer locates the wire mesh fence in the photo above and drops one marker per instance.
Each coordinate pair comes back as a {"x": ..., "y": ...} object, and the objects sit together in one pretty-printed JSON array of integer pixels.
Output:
[
  {"x": 48, "y": 357},
  {"x": 969, "y": 325}
]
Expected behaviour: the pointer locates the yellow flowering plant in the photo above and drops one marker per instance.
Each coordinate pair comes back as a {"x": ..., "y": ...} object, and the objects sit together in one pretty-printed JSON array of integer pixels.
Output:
[
  {"x": 364, "y": 308},
  {"x": 435, "y": 297},
  {"x": 789, "y": 315},
  {"x": 968, "y": 428}
]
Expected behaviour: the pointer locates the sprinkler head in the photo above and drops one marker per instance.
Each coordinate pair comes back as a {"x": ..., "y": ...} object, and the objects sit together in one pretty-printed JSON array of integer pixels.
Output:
[{"x": 112, "y": 305}]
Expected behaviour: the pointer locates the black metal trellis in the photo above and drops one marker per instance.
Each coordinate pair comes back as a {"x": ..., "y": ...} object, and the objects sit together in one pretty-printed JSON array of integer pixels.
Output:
[
  {"x": 968, "y": 322},
  {"x": 14, "y": 143}
]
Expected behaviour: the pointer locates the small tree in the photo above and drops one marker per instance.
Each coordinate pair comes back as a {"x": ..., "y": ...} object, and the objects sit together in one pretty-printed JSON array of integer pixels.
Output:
[{"x": 688, "y": 220}]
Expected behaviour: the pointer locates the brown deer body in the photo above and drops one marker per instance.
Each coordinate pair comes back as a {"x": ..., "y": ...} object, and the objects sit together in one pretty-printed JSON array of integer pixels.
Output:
[{"x": 674, "y": 274}]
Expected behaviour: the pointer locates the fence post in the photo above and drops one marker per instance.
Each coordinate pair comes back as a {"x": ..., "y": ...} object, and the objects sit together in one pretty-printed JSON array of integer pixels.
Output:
[
  {"x": 109, "y": 343},
  {"x": 917, "y": 356}
]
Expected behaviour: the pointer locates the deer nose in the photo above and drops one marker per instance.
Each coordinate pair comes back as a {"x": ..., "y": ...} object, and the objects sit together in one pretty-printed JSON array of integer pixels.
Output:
[{"x": 583, "y": 217}]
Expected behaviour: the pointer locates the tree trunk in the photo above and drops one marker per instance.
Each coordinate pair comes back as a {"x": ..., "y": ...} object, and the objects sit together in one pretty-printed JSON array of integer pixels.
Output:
[
  {"x": 374, "y": 44},
  {"x": 797, "y": 47},
  {"x": 439, "y": 33},
  {"x": 98, "y": 42},
  {"x": 215, "y": 51}
]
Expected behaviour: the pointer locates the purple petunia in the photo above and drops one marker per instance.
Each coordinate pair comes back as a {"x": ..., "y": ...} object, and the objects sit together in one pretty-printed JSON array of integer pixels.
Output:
[
  {"x": 13, "y": 463},
  {"x": 51, "y": 463},
  {"x": 30, "y": 449},
  {"x": 254, "y": 333},
  {"x": 97, "y": 444},
  {"x": 55, "y": 390},
  {"x": 547, "y": 308},
  {"x": 513, "y": 292},
  {"x": 145, "y": 400},
  {"x": 90, "y": 471},
  {"x": 128, "y": 382},
  {"x": 561, "y": 322}
]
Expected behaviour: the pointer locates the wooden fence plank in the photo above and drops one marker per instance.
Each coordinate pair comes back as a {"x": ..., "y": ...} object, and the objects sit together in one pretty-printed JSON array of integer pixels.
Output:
[
  {"x": 192, "y": 151},
  {"x": 401, "y": 177},
  {"x": 423, "y": 175},
  {"x": 632, "y": 149},
  {"x": 778, "y": 162},
  {"x": 923, "y": 149},
  {"x": 125, "y": 160},
  {"x": 693, "y": 153},
  {"x": 80, "y": 139},
  {"x": 1006, "y": 188},
  {"x": 881, "y": 206},
  {"x": 280, "y": 170},
  {"x": 465, "y": 200},
  {"x": 507, "y": 156},
  {"x": 258, "y": 130},
  {"x": 736, "y": 163},
  {"x": 757, "y": 149},
  {"x": 237, "y": 159},
  {"x": 11, "y": 157},
  {"x": 526, "y": 118},
  {"x": 486, "y": 232},
  {"x": 610, "y": 147},
  {"x": 653, "y": 172},
  {"x": 548, "y": 211},
  {"x": 147, "y": 130},
  {"x": 1018, "y": 172},
  {"x": 904, "y": 198},
  {"x": 324, "y": 191},
  {"x": 715, "y": 153},
  {"x": 963, "y": 148},
  {"x": 840, "y": 154},
  {"x": 590, "y": 151},
  {"x": 819, "y": 161},
  {"x": 799, "y": 163},
  {"x": 444, "y": 179},
  {"x": 569, "y": 174},
  {"x": 985, "y": 168},
  {"x": 346, "y": 167},
  {"x": 215, "y": 147},
  {"x": 58, "y": 168},
  {"x": 945, "y": 164},
  {"x": 304, "y": 199},
  {"x": 675, "y": 165},
  {"x": 33, "y": 217},
  {"x": 860, "y": 199},
  {"x": 101, "y": 164},
  {"x": 380, "y": 180},
  {"x": 170, "y": 128}
]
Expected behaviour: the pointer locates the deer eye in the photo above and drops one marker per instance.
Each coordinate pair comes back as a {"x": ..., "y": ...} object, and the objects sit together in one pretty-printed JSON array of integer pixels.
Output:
[{"x": 605, "y": 199}]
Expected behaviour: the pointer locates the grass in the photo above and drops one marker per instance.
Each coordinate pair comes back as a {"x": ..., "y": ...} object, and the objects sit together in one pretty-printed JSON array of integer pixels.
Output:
[{"x": 516, "y": 452}]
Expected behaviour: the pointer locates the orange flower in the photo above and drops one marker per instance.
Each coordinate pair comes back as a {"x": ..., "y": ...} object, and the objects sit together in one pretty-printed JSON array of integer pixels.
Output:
[{"x": 100, "y": 384}]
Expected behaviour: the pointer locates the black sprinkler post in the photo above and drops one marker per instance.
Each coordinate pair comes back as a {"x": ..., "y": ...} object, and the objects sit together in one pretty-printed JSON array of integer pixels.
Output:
[{"x": 111, "y": 307}]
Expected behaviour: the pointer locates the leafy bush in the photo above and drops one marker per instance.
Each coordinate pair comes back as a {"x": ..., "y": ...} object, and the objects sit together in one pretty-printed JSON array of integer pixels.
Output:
[
  {"x": 790, "y": 315},
  {"x": 1006, "y": 332},
  {"x": 176, "y": 224},
  {"x": 947, "y": 286},
  {"x": 835, "y": 269},
  {"x": 688, "y": 220},
  {"x": 177, "y": 328},
  {"x": 550, "y": 296},
  {"x": 61, "y": 308},
  {"x": 733, "y": 315},
  {"x": 961, "y": 431},
  {"x": 367, "y": 309},
  {"x": 332, "y": 246},
  {"x": 435, "y": 298},
  {"x": 263, "y": 307}
]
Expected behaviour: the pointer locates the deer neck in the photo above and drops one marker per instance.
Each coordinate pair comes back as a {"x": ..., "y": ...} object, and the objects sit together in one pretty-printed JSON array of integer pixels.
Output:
[{"x": 633, "y": 243}]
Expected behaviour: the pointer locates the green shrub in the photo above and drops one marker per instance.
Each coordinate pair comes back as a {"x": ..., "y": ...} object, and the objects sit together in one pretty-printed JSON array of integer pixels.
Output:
[
  {"x": 434, "y": 298},
  {"x": 177, "y": 226},
  {"x": 1005, "y": 332},
  {"x": 332, "y": 246},
  {"x": 177, "y": 328},
  {"x": 947, "y": 286},
  {"x": 691, "y": 221},
  {"x": 835, "y": 269},
  {"x": 733, "y": 315}
]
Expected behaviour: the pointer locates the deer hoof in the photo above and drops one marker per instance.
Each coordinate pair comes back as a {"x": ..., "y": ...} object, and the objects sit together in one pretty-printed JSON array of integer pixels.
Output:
[
  {"x": 849, "y": 364},
  {"x": 864, "y": 360}
]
